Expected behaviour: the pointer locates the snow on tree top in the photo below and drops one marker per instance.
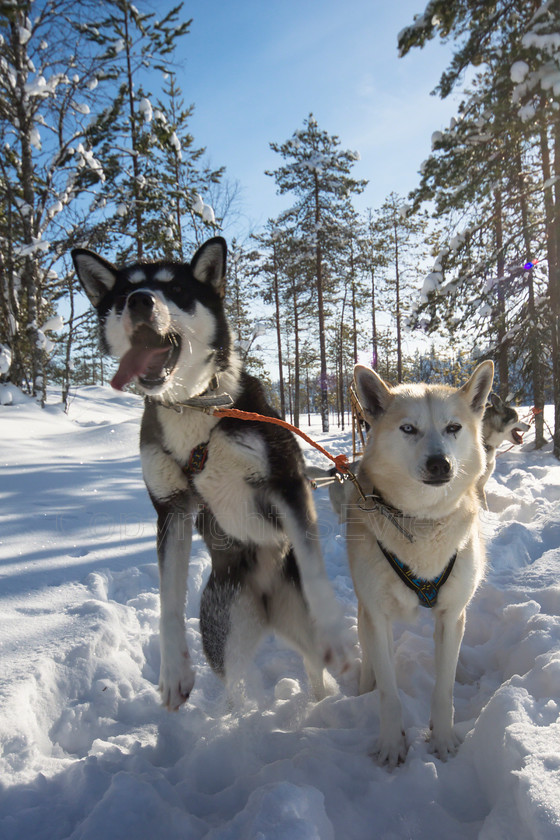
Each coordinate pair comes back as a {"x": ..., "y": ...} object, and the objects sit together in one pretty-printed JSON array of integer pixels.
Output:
[
  {"x": 431, "y": 284},
  {"x": 437, "y": 137},
  {"x": 24, "y": 34},
  {"x": 518, "y": 71},
  {"x": 175, "y": 142},
  {"x": 54, "y": 324},
  {"x": 38, "y": 87},
  {"x": 198, "y": 204},
  {"x": 208, "y": 214},
  {"x": 35, "y": 138},
  {"x": 145, "y": 108},
  {"x": 81, "y": 108}
]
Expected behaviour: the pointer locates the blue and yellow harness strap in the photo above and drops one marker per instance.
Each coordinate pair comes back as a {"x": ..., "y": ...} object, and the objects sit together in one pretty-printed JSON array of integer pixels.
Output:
[
  {"x": 426, "y": 590},
  {"x": 197, "y": 459}
]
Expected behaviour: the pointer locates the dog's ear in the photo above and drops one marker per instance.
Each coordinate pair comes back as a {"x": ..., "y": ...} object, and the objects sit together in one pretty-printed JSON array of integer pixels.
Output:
[
  {"x": 209, "y": 264},
  {"x": 373, "y": 394},
  {"x": 498, "y": 403},
  {"x": 96, "y": 275},
  {"x": 478, "y": 387}
]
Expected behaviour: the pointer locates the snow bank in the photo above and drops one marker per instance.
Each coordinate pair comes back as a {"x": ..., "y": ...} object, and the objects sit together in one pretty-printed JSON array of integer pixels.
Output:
[{"x": 86, "y": 751}]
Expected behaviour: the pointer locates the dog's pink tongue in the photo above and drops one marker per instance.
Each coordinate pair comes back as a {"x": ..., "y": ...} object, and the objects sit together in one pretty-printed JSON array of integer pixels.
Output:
[{"x": 135, "y": 362}]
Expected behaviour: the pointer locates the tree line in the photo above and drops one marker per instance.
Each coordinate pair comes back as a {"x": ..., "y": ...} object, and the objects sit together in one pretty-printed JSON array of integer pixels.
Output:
[
  {"x": 97, "y": 151},
  {"x": 494, "y": 179}
]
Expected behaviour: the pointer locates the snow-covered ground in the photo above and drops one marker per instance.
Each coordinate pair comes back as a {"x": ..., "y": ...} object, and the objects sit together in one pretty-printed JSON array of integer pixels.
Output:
[{"x": 86, "y": 751}]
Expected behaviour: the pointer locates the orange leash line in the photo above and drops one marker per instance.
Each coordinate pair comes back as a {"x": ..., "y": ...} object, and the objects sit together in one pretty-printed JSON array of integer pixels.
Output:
[{"x": 340, "y": 461}]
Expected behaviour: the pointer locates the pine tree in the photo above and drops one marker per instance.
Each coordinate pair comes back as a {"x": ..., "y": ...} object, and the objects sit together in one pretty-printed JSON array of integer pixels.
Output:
[
  {"x": 471, "y": 171},
  {"x": 397, "y": 236},
  {"x": 286, "y": 269},
  {"x": 241, "y": 294},
  {"x": 317, "y": 172},
  {"x": 179, "y": 181},
  {"x": 270, "y": 272},
  {"x": 132, "y": 45},
  {"x": 297, "y": 270},
  {"x": 46, "y": 77},
  {"x": 350, "y": 299},
  {"x": 373, "y": 260},
  {"x": 516, "y": 46}
]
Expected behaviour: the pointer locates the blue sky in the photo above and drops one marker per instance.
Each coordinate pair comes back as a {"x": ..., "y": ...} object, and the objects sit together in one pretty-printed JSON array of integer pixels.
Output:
[{"x": 254, "y": 70}]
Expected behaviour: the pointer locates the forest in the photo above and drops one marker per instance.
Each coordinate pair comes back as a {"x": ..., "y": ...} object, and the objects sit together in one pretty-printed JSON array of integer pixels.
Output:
[{"x": 96, "y": 153}]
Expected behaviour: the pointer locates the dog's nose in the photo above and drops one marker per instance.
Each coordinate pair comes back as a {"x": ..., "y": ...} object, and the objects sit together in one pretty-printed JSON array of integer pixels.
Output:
[
  {"x": 438, "y": 466},
  {"x": 141, "y": 305}
]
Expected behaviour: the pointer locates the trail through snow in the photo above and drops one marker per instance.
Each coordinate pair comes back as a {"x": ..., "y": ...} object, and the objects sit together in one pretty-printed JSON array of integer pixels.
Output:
[{"x": 86, "y": 751}]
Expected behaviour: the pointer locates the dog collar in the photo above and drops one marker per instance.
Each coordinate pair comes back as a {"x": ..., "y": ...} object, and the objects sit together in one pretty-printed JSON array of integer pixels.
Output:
[
  {"x": 206, "y": 400},
  {"x": 388, "y": 511},
  {"x": 426, "y": 590}
]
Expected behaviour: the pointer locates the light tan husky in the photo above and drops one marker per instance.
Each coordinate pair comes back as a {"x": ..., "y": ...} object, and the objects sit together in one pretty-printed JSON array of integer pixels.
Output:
[{"x": 415, "y": 541}]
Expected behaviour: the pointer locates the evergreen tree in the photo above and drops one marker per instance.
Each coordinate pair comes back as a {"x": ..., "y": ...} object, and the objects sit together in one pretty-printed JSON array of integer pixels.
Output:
[
  {"x": 180, "y": 179},
  {"x": 372, "y": 262},
  {"x": 351, "y": 298},
  {"x": 46, "y": 77},
  {"x": 471, "y": 171},
  {"x": 516, "y": 45},
  {"x": 242, "y": 291},
  {"x": 297, "y": 269},
  {"x": 317, "y": 172},
  {"x": 398, "y": 236},
  {"x": 132, "y": 45},
  {"x": 270, "y": 271},
  {"x": 287, "y": 274}
]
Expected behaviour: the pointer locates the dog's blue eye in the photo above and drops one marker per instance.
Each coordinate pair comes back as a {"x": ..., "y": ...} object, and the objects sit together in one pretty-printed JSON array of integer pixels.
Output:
[
  {"x": 408, "y": 429},
  {"x": 453, "y": 428}
]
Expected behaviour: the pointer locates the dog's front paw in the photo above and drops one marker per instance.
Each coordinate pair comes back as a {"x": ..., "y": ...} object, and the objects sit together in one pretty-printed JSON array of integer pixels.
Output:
[
  {"x": 390, "y": 751},
  {"x": 444, "y": 745},
  {"x": 176, "y": 681},
  {"x": 336, "y": 650}
]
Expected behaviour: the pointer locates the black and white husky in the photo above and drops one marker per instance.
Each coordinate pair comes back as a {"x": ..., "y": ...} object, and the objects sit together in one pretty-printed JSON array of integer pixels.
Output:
[{"x": 242, "y": 482}]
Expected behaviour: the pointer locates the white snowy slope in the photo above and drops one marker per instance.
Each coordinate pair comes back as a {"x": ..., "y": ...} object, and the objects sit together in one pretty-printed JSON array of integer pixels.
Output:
[{"x": 87, "y": 752}]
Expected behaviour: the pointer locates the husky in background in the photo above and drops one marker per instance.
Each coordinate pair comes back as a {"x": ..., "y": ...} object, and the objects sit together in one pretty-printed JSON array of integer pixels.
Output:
[
  {"x": 414, "y": 540},
  {"x": 500, "y": 423},
  {"x": 243, "y": 483}
]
